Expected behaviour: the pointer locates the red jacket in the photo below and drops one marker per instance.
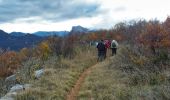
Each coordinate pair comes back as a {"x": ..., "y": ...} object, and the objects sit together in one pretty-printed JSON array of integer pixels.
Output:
[{"x": 107, "y": 43}]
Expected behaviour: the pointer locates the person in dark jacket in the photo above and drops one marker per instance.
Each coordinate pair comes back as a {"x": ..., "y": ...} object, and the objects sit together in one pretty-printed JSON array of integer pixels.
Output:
[{"x": 101, "y": 50}]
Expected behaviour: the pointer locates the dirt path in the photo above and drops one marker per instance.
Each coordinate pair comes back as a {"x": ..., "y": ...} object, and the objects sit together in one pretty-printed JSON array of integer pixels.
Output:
[{"x": 75, "y": 90}]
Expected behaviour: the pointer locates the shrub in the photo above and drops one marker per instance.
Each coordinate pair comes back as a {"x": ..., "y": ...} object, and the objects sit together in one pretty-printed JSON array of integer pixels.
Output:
[
  {"x": 140, "y": 69},
  {"x": 60, "y": 46},
  {"x": 9, "y": 63}
]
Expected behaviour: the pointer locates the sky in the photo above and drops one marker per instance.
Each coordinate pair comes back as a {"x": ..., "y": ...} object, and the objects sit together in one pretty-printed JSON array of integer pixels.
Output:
[{"x": 59, "y": 15}]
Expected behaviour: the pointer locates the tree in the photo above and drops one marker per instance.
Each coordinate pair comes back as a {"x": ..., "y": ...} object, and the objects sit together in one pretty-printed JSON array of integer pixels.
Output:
[{"x": 154, "y": 37}]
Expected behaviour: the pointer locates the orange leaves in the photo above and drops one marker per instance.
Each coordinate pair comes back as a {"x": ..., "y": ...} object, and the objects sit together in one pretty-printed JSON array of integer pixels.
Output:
[
  {"x": 44, "y": 47},
  {"x": 155, "y": 36},
  {"x": 43, "y": 50},
  {"x": 103, "y": 34},
  {"x": 24, "y": 53},
  {"x": 9, "y": 62},
  {"x": 93, "y": 36},
  {"x": 166, "y": 42},
  {"x": 152, "y": 33},
  {"x": 118, "y": 37},
  {"x": 167, "y": 24}
]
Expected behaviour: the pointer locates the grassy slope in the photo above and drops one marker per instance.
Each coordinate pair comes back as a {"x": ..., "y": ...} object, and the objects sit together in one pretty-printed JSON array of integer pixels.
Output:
[
  {"x": 60, "y": 75},
  {"x": 108, "y": 82}
]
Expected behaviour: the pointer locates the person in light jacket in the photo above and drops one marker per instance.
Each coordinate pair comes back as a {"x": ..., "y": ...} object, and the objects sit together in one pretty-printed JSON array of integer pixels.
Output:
[{"x": 114, "y": 46}]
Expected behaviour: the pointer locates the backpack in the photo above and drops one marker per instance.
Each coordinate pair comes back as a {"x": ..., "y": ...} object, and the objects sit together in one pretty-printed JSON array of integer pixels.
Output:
[{"x": 113, "y": 45}]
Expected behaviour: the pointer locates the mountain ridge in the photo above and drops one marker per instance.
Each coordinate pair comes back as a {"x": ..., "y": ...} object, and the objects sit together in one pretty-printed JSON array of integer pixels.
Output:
[
  {"x": 8, "y": 41},
  {"x": 19, "y": 40}
]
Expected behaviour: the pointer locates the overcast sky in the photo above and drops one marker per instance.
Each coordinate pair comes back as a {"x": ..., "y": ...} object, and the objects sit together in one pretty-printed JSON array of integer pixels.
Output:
[{"x": 57, "y": 15}]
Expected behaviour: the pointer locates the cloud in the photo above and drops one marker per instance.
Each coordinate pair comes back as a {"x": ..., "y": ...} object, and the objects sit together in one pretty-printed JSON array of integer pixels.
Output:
[
  {"x": 50, "y": 10},
  {"x": 36, "y": 15},
  {"x": 23, "y": 26},
  {"x": 120, "y": 9}
]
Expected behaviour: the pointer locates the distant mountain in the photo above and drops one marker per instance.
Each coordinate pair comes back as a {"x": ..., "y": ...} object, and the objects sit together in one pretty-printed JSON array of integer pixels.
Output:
[
  {"x": 18, "y": 40},
  {"x": 17, "y": 34},
  {"x": 8, "y": 41},
  {"x": 3, "y": 34},
  {"x": 75, "y": 29},
  {"x": 79, "y": 29},
  {"x": 51, "y": 33}
]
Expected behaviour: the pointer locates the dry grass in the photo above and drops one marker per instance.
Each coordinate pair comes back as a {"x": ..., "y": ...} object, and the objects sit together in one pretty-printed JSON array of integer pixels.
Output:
[
  {"x": 60, "y": 76},
  {"x": 123, "y": 78},
  {"x": 101, "y": 83}
]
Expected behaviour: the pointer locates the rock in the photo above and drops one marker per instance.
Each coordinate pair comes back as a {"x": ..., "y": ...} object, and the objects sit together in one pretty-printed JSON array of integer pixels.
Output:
[
  {"x": 17, "y": 88},
  {"x": 13, "y": 91},
  {"x": 39, "y": 73},
  {"x": 10, "y": 81},
  {"x": 9, "y": 96},
  {"x": 11, "y": 78},
  {"x": 79, "y": 29}
]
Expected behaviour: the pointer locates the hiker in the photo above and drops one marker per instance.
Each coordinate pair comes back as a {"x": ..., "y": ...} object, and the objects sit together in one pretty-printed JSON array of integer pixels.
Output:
[
  {"x": 107, "y": 44},
  {"x": 101, "y": 50},
  {"x": 114, "y": 46}
]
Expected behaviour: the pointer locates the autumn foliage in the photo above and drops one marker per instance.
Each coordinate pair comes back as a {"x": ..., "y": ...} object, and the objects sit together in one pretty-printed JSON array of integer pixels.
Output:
[
  {"x": 9, "y": 62},
  {"x": 155, "y": 37}
]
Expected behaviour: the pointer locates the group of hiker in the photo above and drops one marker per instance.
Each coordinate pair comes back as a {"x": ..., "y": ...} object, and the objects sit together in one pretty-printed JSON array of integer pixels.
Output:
[{"x": 102, "y": 47}]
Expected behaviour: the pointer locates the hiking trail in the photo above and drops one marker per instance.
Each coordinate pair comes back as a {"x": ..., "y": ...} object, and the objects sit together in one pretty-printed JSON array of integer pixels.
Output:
[{"x": 75, "y": 90}]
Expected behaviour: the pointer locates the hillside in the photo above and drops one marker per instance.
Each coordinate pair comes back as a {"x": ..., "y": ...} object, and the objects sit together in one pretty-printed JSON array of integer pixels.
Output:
[{"x": 59, "y": 77}]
